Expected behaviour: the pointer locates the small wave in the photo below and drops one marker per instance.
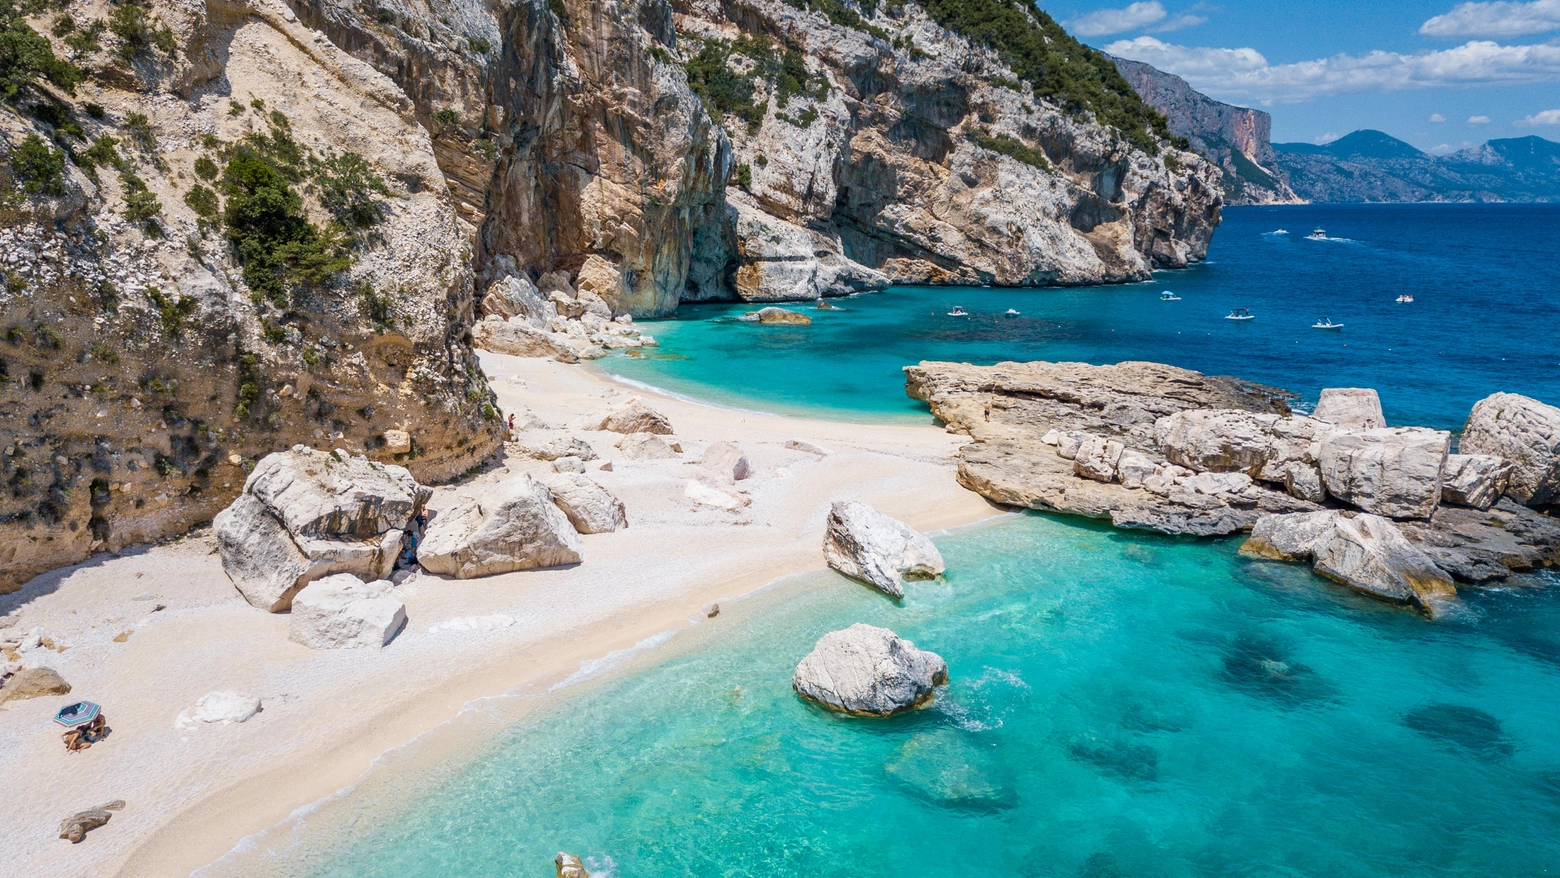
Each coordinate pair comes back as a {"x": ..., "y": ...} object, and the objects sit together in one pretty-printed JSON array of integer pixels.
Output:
[
  {"x": 976, "y": 712},
  {"x": 601, "y": 867},
  {"x": 592, "y": 668}
]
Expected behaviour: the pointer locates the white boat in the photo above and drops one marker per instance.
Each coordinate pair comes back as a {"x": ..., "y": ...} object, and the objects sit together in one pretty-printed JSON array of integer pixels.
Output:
[
  {"x": 1405, "y": 298},
  {"x": 1168, "y": 296},
  {"x": 1011, "y": 312},
  {"x": 1326, "y": 323},
  {"x": 1318, "y": 235},
  {"x": 1281, "y": 232},
  {"x": 958, "y": 312},
  {"x": 1240, "y": 314}
]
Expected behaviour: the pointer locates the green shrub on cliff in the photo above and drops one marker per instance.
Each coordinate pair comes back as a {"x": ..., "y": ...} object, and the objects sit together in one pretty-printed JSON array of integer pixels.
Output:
[
  {"x": 26, "y": 56},
  {"x": 348, "y": 187},
  {"x": 39, "y": 169},
  {"x": 1056, "y": 66},
  {"x": 277, "y": 246},
  {"x": 138, "y": 32},
  {"x": 1016, "y": 149},
  {"x": 726, "y": 92}
]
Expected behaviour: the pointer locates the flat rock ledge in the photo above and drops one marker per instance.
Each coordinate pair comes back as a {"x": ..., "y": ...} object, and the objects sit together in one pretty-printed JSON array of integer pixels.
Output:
[
  {"x": 868, "y": 546},
  {"x": 869, "y": 671},
  {"x": 1153, "y": 447}
]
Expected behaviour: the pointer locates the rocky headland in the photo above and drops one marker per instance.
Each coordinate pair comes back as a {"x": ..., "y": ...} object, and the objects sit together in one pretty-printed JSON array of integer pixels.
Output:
[{"x": 1392, "y": 511}]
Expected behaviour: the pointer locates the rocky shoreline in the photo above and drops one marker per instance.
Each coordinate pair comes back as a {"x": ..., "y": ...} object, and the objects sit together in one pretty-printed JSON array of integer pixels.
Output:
[{"x": 1153, "y": 447}]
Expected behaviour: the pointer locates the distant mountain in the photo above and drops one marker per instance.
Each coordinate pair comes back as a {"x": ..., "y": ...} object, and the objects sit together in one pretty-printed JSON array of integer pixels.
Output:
[
  {"x": 1236, "y": 138},
  {"x": 1375, "y": 167}
]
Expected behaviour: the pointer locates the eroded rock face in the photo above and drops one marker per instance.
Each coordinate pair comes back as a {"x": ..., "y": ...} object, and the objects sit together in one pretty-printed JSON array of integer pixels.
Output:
[
  {"x": 1366, "y": 552},
  {"x": 1476, "y": 480},
  {"x": 1393, "y": 471},
  {"x": 867, "y": 545},
  {"x": 781, "y": 261},
  {"x": 869, "y": 671},
  {"x": 344, "y": 612},
  {"x": 591, "y": 508},
  {"x": 519, "y": 528},
  {"x": 1356, "y": 408},
  {"x": 1527, "y": 433},
  {"x": 306, "y": 514}
]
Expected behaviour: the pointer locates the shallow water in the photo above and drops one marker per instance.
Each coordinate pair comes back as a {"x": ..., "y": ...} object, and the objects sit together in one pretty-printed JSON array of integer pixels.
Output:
[
  {"x": 1487, "y": 303},
  {"x": 1120, "y": 704}
]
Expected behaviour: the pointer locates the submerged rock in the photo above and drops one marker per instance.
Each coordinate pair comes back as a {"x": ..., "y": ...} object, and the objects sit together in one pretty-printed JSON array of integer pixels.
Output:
[
  {"x": 344, "y": 612},
  {"x": 517, "y": 528},
  {"x": 1266, "y": 668},
  {"x": 867, "y": 545},
  {"x": 946, "y": 768},
  {"x": 1467, "y": 727},
  {"x": 776, "y": 316},
  {"x": 868, "y": 671},
  {"x": 1122, "y": 758},
  {"x": 1527, "y": 433}
]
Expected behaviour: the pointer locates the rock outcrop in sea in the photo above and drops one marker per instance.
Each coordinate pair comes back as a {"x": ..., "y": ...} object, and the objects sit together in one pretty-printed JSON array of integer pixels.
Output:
[
  {"x": 1387, "y": 510},
  {"x": 869, "y": 671},
  {"x": 868, "y": 546}
]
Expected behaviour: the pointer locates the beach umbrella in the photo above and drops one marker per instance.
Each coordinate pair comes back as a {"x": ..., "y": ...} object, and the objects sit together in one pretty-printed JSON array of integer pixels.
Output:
[{"x": 78, "y": 714}]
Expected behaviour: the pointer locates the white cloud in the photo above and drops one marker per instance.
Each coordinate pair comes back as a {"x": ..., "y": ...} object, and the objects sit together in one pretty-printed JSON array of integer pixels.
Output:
[
  {"x": 1442, "y": 149},
  {"x": 1547, "y": 117},
  {"x": 1115, "y": 21},
  {"x": 1437, "y": 117},
  {"x": 1327, "y": 138},
  {"x": 1245, "y": 75},
  {"x": 1497, "y": 19},
  {"x": 1478, "y": 120},
  {"x": 1180, "y": 22}
]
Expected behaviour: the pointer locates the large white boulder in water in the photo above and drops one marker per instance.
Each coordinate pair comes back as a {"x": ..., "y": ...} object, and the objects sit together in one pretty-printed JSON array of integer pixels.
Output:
[
  {"x": 1356, "y": 408},
  {"x": 865, "y": 544},
  {"x": 1393, "y": 471},
  {"x": 1476, "y": 480},
  {"x": 1525, "y": 432},
  {"x": 591, "y": 508},
  {"x": 1366, "y": 552},
  {"x": 307, "y": 514},
  {"x": 343, "y": 612},
  {"x": 869, "y": 671},
  {"x": 518, "y": 528}
]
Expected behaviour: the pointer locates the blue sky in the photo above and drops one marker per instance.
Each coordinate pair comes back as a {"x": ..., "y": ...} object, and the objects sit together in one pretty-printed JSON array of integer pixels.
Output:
[{"x": 1440, "y": 75}]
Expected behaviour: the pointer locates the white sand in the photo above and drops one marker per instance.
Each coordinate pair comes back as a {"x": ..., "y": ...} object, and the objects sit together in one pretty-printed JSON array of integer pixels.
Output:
[{"x": 192, "y": 795}]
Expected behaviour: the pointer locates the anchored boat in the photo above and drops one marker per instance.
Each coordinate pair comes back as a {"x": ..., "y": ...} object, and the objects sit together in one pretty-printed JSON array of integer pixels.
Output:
[
  {"x": 1240, "y": 314},
  {"x": 1168, "y": 296},
  {"x": 1326, "y": 323}
]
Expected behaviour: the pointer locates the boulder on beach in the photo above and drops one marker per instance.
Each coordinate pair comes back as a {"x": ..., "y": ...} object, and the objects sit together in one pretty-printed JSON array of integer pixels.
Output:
[
  {"x": 647, "y": 446},
  {"x": 776, "y": 316},
  {"x": 1525, "y": 432},
  {"x": 1355, "y": 408},
  {"x": 33, "y": 683},
  {"x": 1476, "y": 480},
  {"x": 221, "y": 707},
  {"x": 344, "y": 612},
  {"x": 516, "y": 296},
  {"x": 517, "y": 528},
  {"x": 75, "y": 827},
  {"x": 591, "y": 508},
  {"x": 867, "y": 545},
  {"x": 635, "y": 416},
  {"x": 869, "y": 671},
  {"x": 1392, "y": 471},
  {"x": 1366, "y": 552},
  {"x": 306, "y": 514},
  {"x": 546, "y": 447},
  {"x": 569, "y": 866},
  {"x": 726, "y": 461},
  {"x": 519, "y": 338},
  {"x": 708, "y": 492}
]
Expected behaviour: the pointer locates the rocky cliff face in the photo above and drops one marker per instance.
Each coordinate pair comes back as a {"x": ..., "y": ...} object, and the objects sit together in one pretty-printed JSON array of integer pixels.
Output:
[
  {"x": 251, "y": 245},
  {"x": 1236, "y": 138},
  {"x": 235, "y": 225}
]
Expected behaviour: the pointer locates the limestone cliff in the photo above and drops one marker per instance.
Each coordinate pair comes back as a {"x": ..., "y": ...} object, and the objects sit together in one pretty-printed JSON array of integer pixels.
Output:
[
  {"x": 1238, "y": 139},
  {"x": 249, "y": 245}
]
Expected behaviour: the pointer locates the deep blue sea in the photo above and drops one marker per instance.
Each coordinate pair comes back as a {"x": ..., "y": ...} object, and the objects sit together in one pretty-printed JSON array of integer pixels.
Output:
[
  {"x": 1486, "y": 312},
  {"x": 1120, "y": 704}
]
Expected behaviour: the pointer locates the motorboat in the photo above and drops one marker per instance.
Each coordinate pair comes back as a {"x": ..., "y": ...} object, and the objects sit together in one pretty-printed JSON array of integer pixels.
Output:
[
  {"x": 1405, "y": 298},
  {"x": 1326, "y": 323},
  {"x": 1280, "y": 231},
  {"x": 958, "y": 312},
  {"x": 1240, "y": 314},
  {"x": 1168, "y": 296},
  {"x": 1011, "y": 312},
  {"x": 1318, "y": 235}
]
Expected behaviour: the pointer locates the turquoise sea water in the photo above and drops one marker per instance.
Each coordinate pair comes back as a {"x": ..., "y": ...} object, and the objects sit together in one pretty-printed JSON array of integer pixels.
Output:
[
  {"x": 1486, "y": 310},
  {"x": 1121, "y": 704}
]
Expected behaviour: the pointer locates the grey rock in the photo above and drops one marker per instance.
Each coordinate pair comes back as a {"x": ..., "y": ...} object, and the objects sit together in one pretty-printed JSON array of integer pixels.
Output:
[
  {"x": 591, "y": 508},
  {"x": 1392, "y": 471},
  {"x": 1487, "y": 545},
  {"x": 344, "y": 612},
  {"x": 647, "y": 446},
  {"x": 76, "y": 826},
  {"x": 776, "y": 317},
  {"x": 1476, "y": 480},
  {"x": 780, "y": 261},
  {"x": 541, "y": 446},
  {"x": 33, "y": 683},
  {"x": 1356, "y": 408},
  {"x": 635, "y": 416},
  {"x": 516, "y": 296},
  {"x": 1096, "y": 458},
  {"x": 335, "y": 494},
  {"x": 1525, "y": 432},
  {"x": 727, "y": 461},
  {"x": 518, "y": 528},
  {"x": 1366, "y": 552},
  {"x": 518, "y": 338},
  {"x": 869, "y": 671},
  {"x": 867, "y": 545}
]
